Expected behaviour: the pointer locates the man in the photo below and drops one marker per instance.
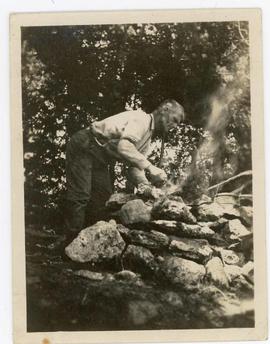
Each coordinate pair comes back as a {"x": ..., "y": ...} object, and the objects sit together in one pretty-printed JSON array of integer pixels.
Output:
[{"x": 125, "y": 137}]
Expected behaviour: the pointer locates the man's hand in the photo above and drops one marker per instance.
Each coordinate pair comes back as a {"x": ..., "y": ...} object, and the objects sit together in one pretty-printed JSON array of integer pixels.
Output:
[
  {"x": 136, "y": 176},
  {"x": 156, "y": 175}
]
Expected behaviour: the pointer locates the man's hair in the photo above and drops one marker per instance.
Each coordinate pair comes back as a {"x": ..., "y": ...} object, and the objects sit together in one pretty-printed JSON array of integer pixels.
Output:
[{"x": 171, "y": 104}]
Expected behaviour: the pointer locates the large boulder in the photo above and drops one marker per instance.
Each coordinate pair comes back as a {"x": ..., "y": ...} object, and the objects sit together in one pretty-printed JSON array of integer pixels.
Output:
[
  {"x": 135, "y": 211},
  {"x": 96, "y": 244},
  {"x": 182, "y": 272},
  {"x": 139, "y": 259},
  {"x": 168, "y": 209},
  {"x": 152, "y": 240},
  {"x": 196, "y": 249}
]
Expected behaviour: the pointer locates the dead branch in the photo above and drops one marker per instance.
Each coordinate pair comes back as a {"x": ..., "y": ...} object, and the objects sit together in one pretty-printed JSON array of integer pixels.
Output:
[{"x": 245, "y": 173}]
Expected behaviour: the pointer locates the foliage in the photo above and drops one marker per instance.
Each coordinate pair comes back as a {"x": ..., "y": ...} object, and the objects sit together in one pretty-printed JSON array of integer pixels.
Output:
[{"x": 72, "y": 75}]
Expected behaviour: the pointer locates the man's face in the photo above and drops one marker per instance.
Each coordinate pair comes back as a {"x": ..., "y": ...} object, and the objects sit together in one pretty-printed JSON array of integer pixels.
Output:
[{"x": 170, "y": 120}]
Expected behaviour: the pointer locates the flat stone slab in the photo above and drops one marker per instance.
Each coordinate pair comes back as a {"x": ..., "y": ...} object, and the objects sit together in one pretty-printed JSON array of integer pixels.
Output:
[
  {"x": 152, "y": 240},
  {"x": 182, "y": 229},
  {"x": 194, "y": 249}
]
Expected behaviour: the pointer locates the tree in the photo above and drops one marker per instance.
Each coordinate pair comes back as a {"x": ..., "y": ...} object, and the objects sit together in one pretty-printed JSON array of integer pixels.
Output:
[{"x": 72, "y": 75}]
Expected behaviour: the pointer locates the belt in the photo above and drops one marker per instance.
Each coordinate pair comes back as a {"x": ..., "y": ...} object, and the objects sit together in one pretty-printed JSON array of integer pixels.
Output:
[
  {"x": 97, "y": 148},
  {"x": 99, "y": 138}
]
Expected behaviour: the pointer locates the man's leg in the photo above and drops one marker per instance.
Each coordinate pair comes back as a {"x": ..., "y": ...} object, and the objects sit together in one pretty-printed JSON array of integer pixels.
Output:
[
  {"x": 101, "y": 192},
  {"x": 79, "y": 164}
]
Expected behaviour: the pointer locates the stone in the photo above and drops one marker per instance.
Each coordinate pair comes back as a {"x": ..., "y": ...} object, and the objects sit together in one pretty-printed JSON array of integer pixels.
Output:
[
  {"x": 195, "y": 231},
  {"x": 141, "y": 312},
  {"x": 216, "y": 225},
  {"x": 117, "y": 200},
  {"x": 209, "y": 212},
  {"x": 248, "y": 271},
  {"x": 181, "y": 271},
  {"x": 166, "y": 226},
  {"x": 216, "y": 273},
  {"x": 246, "y": 200},
  {"x": 232, "y": 271},
  {"x": 152, "y": 240},
  {"x": 230, "y": 211},
  {"x": 246, "y": 214},
  {"x": 96, "y": 276},
  {"x": 240, "y": 283},
  {"x": 234, "y": 230},
  {"x": 98, "y": 243},
  {"x": 126, "y": 275},
  {"x": 135, "y": 211},
  {"x": 122, "y": 230},
  {"x": 196, "y": 249},
  {"x": 182, "y": 229},
  {"x": 167, "y": 209},
  {"x": 139, "y": 259},
  {"x": 227, "y": 198},
  {"x": 229, "y": 257}
]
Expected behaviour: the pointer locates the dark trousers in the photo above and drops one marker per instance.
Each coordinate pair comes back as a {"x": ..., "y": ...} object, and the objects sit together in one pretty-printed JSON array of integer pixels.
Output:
[{"x": 88, "y": 181}]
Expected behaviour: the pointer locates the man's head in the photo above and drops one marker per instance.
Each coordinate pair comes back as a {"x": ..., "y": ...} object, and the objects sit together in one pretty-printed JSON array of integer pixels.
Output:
[{"x": 168, "y": 115}]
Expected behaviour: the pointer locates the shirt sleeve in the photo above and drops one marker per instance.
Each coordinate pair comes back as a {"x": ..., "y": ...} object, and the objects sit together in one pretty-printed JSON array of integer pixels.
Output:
[{"x": 129, "y": 152}]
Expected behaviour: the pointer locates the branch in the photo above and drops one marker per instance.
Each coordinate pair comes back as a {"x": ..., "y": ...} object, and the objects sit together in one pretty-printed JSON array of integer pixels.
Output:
[
  {"x": 246, "y": 173},
  {"x": 241, "y": 34}
]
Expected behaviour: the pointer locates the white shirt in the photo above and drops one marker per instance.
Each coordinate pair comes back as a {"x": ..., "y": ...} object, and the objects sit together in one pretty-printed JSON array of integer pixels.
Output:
[{"x": 127, "y": 136}]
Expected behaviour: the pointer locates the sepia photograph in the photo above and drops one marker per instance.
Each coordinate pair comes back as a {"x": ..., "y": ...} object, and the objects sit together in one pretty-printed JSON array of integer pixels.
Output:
[{"x": 138, "y": 178}]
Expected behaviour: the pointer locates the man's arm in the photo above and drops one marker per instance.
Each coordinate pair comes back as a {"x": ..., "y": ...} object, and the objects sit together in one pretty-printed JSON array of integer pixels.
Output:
[{"x": 127, "y": 150}]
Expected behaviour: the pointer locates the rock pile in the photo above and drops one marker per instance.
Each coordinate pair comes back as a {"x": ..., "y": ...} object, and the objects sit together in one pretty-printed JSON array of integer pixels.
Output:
[{"x": 161, "y": 238}]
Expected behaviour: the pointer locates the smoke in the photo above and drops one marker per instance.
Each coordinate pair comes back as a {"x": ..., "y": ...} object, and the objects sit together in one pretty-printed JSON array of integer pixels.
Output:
[{"x": 207, "y": 164}]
